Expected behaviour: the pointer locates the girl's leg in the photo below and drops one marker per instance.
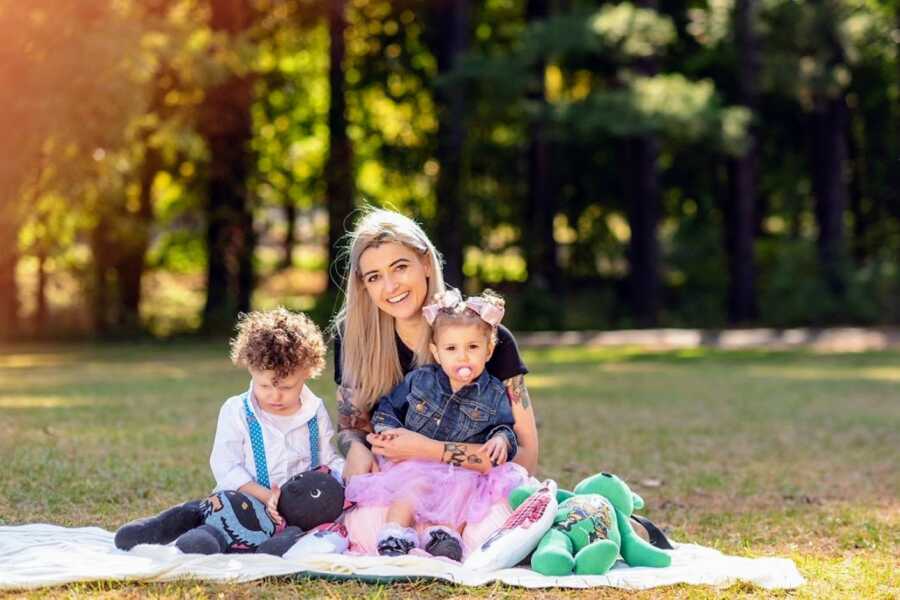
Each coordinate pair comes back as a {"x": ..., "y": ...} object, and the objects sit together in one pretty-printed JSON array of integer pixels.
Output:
[
  {"x": 363, "y": 524},
  {"x": 475, "y": 534},
  {"x": 400, "y": 513}
]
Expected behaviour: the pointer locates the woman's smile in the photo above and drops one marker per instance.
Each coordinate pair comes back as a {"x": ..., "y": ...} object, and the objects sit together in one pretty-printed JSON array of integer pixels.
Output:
[{"x": 398, "y": 298}]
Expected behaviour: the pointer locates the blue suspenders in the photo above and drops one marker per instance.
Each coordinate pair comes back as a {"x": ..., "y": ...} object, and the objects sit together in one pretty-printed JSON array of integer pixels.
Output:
[{"x": 259, "y": 448}]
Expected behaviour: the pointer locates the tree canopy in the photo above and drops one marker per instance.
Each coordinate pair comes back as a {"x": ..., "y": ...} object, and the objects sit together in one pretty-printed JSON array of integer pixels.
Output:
[{"x": 169, "y": 163}]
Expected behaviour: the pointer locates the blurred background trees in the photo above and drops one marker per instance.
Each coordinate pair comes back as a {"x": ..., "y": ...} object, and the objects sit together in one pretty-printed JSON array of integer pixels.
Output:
[{"x": 168, "y": 163}]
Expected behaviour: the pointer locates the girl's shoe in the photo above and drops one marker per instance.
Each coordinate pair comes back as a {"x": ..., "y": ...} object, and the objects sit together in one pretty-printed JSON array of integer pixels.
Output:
[
  {"x": 395, "y": 540},
  {"x": 440, "y": 541}
]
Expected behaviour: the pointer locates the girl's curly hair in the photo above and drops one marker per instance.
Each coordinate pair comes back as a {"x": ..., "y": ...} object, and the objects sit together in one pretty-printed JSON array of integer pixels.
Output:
[{"x": 280, "y": 341}]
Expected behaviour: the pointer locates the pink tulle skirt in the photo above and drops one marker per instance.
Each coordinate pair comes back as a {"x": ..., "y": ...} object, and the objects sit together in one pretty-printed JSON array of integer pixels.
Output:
[{"x": 439, "y": 493}]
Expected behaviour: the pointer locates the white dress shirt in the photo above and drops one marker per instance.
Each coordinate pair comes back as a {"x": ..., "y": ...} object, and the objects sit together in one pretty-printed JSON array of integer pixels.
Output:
[{"x": 287, "y": 447}]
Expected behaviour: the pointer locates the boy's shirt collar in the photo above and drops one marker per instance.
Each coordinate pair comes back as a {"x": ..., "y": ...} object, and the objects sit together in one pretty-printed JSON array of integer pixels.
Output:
[{"x": 309, "y": 405}]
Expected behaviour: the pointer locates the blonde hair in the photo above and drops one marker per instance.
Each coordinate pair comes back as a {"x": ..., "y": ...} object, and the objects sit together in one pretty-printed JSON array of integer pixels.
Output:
[{"x": 370, "y": 363}]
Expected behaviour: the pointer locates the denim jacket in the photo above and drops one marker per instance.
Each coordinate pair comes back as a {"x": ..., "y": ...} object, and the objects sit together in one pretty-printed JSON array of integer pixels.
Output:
[{"x": 424, "y": 402}]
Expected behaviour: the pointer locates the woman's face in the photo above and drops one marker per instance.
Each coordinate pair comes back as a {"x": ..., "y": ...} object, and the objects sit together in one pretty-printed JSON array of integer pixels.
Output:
[{"x": 396, "y": 279}]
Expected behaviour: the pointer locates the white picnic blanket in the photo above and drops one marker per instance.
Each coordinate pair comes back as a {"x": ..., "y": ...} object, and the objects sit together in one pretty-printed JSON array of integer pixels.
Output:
[{"x": 41, "y": 555}]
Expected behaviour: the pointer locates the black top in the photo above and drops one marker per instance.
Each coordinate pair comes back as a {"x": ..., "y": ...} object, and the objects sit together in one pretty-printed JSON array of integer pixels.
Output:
[{"x": 504, "y": 364}]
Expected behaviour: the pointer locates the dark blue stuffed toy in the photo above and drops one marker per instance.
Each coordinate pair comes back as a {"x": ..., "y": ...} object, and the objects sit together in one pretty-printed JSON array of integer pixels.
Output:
[{"x": 231, "y": 521}]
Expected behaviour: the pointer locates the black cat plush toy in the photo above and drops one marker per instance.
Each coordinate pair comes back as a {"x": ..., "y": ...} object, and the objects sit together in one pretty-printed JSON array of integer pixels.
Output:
[{"x": 231, "y": 521}]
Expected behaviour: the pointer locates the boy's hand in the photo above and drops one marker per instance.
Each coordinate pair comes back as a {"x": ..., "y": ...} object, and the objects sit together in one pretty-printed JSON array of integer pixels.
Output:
[
  {"x": 496, "y": 449},
  {"x": 272, "y": 505}
]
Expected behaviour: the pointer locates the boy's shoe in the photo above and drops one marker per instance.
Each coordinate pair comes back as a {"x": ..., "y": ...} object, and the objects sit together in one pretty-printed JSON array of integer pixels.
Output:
[{"x": 441, "y": 542}]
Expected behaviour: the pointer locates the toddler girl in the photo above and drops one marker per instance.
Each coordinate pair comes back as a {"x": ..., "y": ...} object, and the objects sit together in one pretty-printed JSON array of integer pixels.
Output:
[{"x": 455, "y": 401}]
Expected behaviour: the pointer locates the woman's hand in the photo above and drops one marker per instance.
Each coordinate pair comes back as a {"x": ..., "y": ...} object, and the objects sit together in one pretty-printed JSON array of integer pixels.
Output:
[
  {"x": 496, "y": 449},
  {"x": 359, "y": 461},
  {"x": 272, "y": 505},
  {"x": 402, "y": 444}
]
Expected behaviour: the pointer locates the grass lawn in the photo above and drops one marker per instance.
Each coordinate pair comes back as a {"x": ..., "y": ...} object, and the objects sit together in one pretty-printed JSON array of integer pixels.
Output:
[{"x": 788, "y": 454}]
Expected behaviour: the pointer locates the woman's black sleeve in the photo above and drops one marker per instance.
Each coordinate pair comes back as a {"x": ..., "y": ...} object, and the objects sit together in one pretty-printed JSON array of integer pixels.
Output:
[{"x": 506, "y": 362}]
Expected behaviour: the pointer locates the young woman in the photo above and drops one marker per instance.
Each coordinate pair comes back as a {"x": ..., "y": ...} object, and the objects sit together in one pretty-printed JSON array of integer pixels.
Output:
[{"x": 380, "y": 335}]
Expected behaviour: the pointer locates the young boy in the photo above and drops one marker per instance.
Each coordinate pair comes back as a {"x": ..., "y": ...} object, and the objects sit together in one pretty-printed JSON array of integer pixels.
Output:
[
  {"x": 277, "y": 429},
  {"x": 281, "y": 350}
]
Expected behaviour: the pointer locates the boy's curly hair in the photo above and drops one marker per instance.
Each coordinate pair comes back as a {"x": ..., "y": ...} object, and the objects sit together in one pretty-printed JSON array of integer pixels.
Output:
[{"x": 280, "y": 341}]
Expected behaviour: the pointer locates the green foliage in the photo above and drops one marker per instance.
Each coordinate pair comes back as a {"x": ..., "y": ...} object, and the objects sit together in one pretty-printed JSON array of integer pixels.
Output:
[
  {"x": 102, "y": 119},
  {"x": 66, "y": 93},
  {"x": 633, "y": 32},
  {"x": 697, "y": 273},
  {"x": 289, "y": 115},
  {"x": 794, "y": 291},
  {"x": 668, "y": 105}
]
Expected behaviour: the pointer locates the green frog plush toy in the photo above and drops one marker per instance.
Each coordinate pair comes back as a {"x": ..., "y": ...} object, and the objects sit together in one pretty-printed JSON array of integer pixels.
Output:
[{"x": 592, "y": 529}]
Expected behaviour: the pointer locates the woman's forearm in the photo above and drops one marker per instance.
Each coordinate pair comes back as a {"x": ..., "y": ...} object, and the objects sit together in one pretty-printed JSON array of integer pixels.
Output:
[
  {"x": 353, "y": 424},
  {"x": 348, "y": 437},
  {"x": 527, "y": 457},
  {"x": 402, "y": 444},
  {"x": 525, "y": 423},
  {"x": 467, "y": 456}
]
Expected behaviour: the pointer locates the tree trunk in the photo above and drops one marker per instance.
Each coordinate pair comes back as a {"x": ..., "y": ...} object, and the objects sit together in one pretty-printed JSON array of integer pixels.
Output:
[
  {"x": 862, "y": 219},
  {"x": 130, "y": 267},
  {"x": 642, "y": 189},
  {"x": 9, "y": 293},
  {"x": 40, "y": 313},
  {"x": 740, "y": 212},
  {"x": 642, "y": 197},
  {"x": 829, "y": 160},
  {"x": 739, "y": 236},
  {"x": 540, "y": 245},
  {"x": 290, "y": 237},
  {"x": 101, "y": 250},
  {"x": 451, "y": 18},
  {"x": 339, "y": 167},
  {"x": 226, "y": 125}
]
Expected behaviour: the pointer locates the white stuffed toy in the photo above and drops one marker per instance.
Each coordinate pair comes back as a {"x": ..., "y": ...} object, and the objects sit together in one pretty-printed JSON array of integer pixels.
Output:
[{"x": 520, "y": 534}]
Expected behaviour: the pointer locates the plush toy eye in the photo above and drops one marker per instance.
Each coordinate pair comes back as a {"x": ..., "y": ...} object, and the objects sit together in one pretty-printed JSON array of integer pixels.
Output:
[{"x": 315, "y": 493}]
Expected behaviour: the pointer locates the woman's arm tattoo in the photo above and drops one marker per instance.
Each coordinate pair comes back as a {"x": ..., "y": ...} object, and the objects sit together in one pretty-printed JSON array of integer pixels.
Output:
[
  {"x": 348, "y": 437},
  {"x": 455, "y": 454},
  {"x": 353, "y": 424},
  {"x": 517, "y": 392}
]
